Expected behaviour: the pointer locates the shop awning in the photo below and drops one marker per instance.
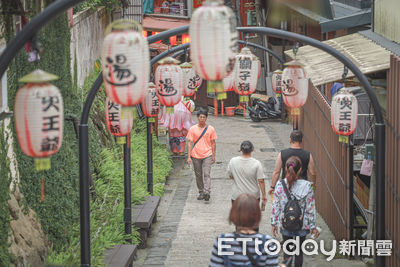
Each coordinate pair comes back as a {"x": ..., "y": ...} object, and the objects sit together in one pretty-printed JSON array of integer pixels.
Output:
[
  {"x": 323, "y": 68},
  {"x": 159, "y": 24}
]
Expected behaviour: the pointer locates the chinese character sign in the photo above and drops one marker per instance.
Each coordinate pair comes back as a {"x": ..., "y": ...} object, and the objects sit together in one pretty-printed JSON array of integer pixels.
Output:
[
  {"x": 277, "y": 81},
  {"x": 294, "y": 85},
  {"x": 169, "y": 82},
  {"x": 39, "y": 119},
  {"x": 126, "y": 67},
  {"x": 246, "y": 72},
  {"x": 150, "y": 103},
  {"x": 119, "y": 119},
  {"x": 213, "y": 40},
  {"x": 344, "y": 110},
  {"x": 191, "y": 80}
]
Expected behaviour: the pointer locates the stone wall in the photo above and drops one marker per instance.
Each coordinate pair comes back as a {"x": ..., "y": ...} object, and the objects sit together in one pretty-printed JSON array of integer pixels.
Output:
[{"x": 87, "y": 35}]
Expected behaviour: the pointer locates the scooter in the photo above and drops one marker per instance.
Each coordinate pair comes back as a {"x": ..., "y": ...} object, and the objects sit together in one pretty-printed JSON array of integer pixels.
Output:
[{"x": 263, "y": 107}]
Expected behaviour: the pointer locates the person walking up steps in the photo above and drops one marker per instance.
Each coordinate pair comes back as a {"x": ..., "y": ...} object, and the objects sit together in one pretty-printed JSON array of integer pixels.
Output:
[
  {"x": 247, "y": 174},
  {"x": 201, "y": 152},
  {"x": 293, "y": 208}
]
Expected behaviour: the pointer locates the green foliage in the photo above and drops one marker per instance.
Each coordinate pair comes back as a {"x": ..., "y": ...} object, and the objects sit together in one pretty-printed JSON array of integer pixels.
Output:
[
  {"x": 4, "y": 197},
  {"x": 108, "y": 4},
  {"x": 107, "y": 226},
  {"x": 60, "y": 209}
]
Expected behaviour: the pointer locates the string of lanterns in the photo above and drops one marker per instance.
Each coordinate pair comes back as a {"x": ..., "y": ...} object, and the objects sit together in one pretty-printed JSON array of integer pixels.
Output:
[{"x": 126, "y": 72}]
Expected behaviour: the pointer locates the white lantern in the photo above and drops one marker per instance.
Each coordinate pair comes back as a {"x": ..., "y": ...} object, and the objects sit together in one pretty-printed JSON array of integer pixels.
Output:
[
  {"x": 125, "y": 64},
  {"x": 119, "y": 120},
  {"x": 277, "y": 81},
  {"x": 229, "y": 81},
  {"x": 39, "y": 117},
  {"x": 191, "y": 80},
  {"x": 169, "y": 83},
  {"x": 246, "y": 74},
  {"x": 344, "y": 111},
  {"x": 150, "y": 103},
  {"x": 294, "y": 86},
  {"x": 213, "y": 42},
  {"x": 189, "y": 104}
]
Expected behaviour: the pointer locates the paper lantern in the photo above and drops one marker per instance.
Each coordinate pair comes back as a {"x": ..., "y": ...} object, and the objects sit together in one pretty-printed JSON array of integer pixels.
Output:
[
  {"x": 125, "y": 63},
  {"x": 169, "y": 83},
  {"x": 39, "y": 117},
  {"x": 189, "y": 104},
  {"x": 344, "y": 111},
  {"x": 294, "y": 86},
  {"x": 246, "y": 74},
  {"x": 191, "y": 80},
  {"x": 150, "y": 103},
  {"x": 213, "y": 43},
  {"x": 277, "y": 81},
  {"x": 119, "y": 119}
]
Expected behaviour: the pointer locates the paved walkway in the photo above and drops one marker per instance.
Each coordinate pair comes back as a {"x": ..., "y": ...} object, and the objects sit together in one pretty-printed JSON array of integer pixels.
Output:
[{"x": 187, "y": 228}]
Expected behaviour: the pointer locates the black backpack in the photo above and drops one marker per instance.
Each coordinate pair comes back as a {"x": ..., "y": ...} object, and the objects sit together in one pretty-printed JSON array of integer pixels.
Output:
[{"x": 292, "y": 214}]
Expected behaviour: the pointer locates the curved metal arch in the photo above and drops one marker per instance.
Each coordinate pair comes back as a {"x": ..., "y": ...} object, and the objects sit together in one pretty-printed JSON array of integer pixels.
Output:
[{"x": 257, "y": 46}]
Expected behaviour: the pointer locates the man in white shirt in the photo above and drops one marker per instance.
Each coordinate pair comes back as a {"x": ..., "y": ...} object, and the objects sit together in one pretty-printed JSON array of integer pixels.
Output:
[{"x": 247, "y": 174}]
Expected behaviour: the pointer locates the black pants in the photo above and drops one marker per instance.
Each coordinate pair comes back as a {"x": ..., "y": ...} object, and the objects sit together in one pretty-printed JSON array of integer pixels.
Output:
[{"x": 298, "y": 262}]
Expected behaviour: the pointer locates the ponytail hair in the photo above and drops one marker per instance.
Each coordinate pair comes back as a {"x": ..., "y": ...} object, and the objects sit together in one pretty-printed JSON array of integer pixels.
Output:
[{"x": 293, "y": 167}]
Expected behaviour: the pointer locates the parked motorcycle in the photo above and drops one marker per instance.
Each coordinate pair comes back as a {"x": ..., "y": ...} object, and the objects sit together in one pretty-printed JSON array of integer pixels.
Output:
[{"x": 263, "y": 107}]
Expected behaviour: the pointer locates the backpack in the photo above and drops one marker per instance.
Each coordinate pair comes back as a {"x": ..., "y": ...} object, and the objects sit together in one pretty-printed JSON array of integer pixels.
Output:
[{"x": 292, "y": 213}]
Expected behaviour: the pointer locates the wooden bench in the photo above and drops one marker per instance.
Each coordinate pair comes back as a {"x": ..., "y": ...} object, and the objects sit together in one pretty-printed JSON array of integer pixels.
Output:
[
  {"x": 120, "y": 256},
  {"x": 144, "y": 215}
]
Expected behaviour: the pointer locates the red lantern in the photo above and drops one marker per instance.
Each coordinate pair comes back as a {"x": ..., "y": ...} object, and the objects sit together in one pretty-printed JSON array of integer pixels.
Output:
[
  {"x": 277, "y": 81},
  {"x": 189, "y": 104},
  {"x": 191, "y": 80},
  {"x": 246, "y": 74},
  {"x": 151, "y": 104},
  {"x": 119, "y": 120},
  {"x": 294, "y": 86},
  {"x": 125, "y": 63},
  {"x": 39, "y": 117},
  {"x": 344, "y": 111},
  {"x": 213, "y": 43},
  {"x": 169, "y": 83}
]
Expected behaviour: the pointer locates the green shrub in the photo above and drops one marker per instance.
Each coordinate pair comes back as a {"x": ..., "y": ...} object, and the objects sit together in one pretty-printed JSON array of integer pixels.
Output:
[{"x": 107, "y": 225}]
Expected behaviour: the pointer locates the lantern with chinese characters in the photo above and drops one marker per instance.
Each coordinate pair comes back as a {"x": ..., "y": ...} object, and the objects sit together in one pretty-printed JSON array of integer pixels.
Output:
[
  {"x": 277, "y": 81},
  {"x": 125, "y": 62},
  {"x": 344, "y": 111},
  {"x": 246, "y": 74},
  {"x": 119, "y": 120},
  {"x": 169, "y": 83},
  {"x": 151, "y": 104},
  {"x": 294, "y": 86},
  {"x": 213, "y": 43},
  {"x": 39, "y": 117},
  {"x": 191, "y": 80}
]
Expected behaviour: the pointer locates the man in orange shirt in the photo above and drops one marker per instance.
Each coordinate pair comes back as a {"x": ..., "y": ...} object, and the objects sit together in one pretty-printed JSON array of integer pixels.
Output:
[{"x": 201, "y": 152}]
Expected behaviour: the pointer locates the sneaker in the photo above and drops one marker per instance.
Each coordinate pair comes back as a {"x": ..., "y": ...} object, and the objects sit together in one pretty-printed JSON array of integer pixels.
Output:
[
  {"x": 200, "y": 197},
  {"x": 207, "y": 197}
]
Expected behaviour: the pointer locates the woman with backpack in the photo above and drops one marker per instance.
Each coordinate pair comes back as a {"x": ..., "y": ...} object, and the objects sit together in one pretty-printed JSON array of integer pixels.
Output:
[
  {"x": 293, "y": 207},
  {"x": 229, "y": 249}
]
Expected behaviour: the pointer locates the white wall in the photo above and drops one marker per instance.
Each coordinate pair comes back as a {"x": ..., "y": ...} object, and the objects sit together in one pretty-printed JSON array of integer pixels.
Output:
[{"x": 86, "y": 40}]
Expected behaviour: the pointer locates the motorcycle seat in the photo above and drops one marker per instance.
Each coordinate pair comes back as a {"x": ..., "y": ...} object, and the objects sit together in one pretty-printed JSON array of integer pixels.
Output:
[{"x": 261, "y": 97}]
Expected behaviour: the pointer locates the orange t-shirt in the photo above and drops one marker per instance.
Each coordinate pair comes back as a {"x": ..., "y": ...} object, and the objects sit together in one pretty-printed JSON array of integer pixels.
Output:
[{"x": 203, "y": 148}]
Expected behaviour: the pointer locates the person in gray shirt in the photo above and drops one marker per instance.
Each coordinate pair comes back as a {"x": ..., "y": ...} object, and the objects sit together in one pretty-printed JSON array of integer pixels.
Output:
[{"x": 247, "y": 174}]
